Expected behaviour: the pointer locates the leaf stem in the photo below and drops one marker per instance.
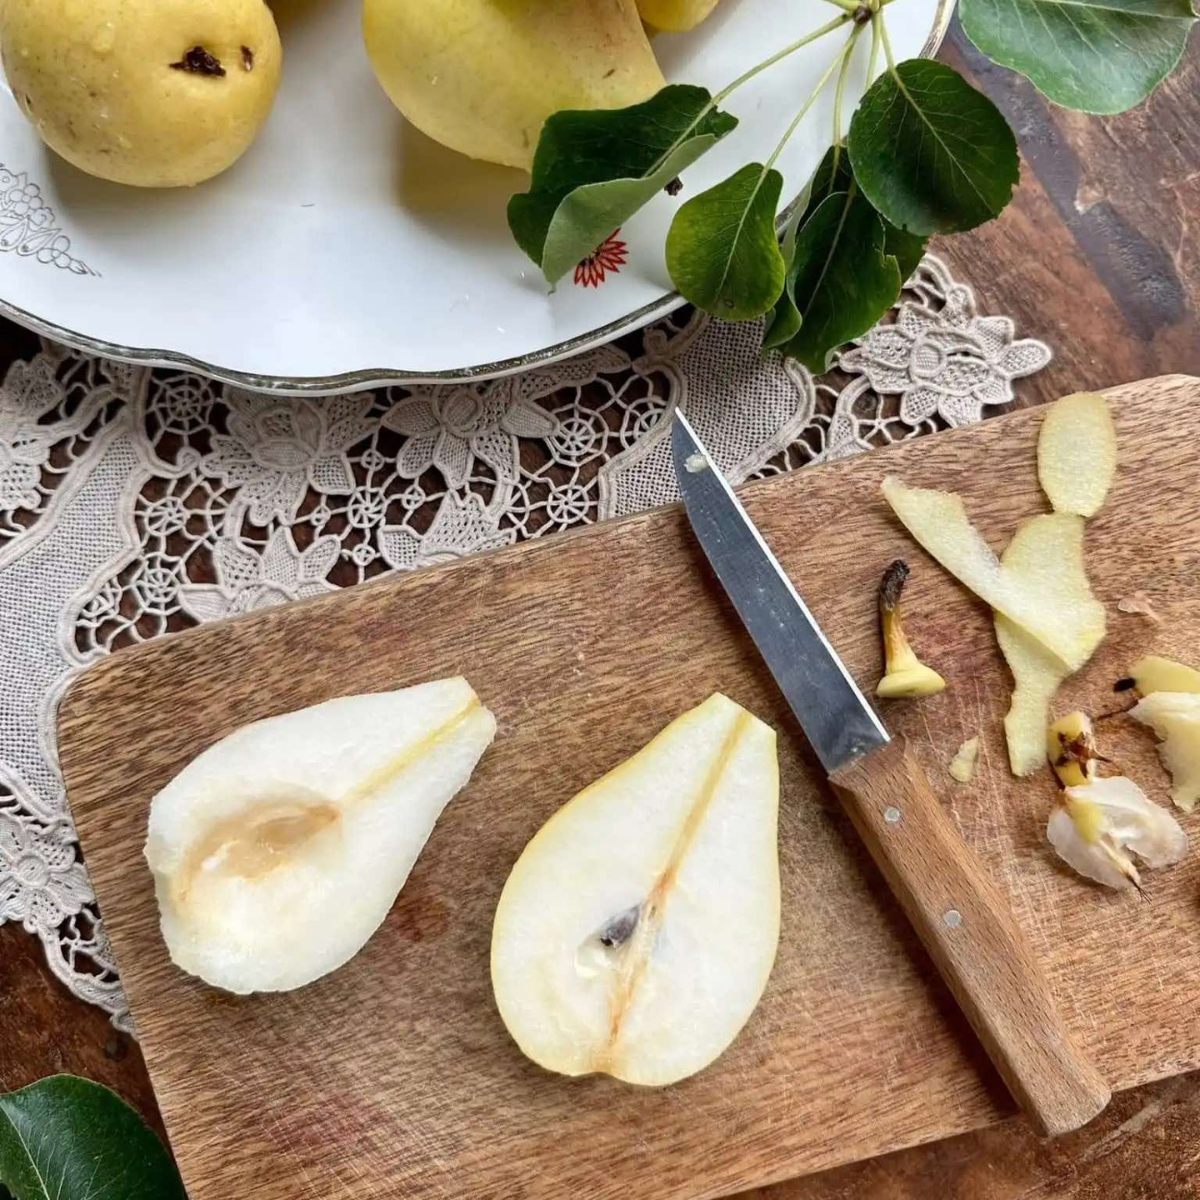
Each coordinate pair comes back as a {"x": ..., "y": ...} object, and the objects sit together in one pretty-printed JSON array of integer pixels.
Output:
[
  {"x": 850, "y": 6},
  {"x": 876, "y": 42},
  {"x": 887, "y": 44},
  {"x": 840, "y": 61},
  {"x": 836, "y": 23},
  {"x": 839, "y": 95}
]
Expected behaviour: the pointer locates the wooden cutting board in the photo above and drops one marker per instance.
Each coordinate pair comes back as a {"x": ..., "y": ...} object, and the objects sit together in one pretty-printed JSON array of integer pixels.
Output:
[{"x": 394, "y": 1076}]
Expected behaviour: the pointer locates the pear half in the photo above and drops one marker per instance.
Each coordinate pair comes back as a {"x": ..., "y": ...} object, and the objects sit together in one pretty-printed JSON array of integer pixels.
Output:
[
  {"x": 638, "y": 929},
  {"x": 278, "y": 852}
]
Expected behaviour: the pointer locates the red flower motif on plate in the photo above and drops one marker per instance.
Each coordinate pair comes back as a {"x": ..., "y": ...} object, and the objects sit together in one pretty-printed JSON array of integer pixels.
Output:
[{"x": 610, "y": 255}]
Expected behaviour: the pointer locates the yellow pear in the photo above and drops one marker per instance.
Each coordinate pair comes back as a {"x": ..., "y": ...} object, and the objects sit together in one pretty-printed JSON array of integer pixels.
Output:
[
  {"x": 482, "y": 76},
  {"x": 154, "y": 93},
  {"x": 675, "y": 16}
]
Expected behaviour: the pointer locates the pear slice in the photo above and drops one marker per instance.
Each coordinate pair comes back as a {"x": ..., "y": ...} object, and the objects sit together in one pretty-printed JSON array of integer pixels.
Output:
[
  {"x": 1175, "y": 717},
  {"x": 939, "y": 522},
  {"x": 638, "y": 928},
  {"x": 278, "y": 852},
  {"x": 1045, "y": 559},
  {"x": 1077, "y": 454}
]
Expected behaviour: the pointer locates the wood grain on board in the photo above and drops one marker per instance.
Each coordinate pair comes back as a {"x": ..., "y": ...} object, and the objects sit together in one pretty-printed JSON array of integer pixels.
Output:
[{"x": 395, "y": 1075}]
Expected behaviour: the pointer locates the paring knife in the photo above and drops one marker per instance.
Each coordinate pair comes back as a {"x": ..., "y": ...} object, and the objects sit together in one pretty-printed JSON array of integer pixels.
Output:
[{"x": 959, "y": 914}]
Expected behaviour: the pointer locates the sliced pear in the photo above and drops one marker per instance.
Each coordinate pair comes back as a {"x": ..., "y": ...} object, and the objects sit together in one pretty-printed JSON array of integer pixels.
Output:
[
  {"x": 638, "y": 928},
  {"x": 939, "y": 522},
  {"x": 1055, "y": 540},
  {"x": 278, "y": 852},
  {"x": 1175, "y": 718},
  {"x": 1154, "y": 674},
  {"x": 1077, "y": 454}
]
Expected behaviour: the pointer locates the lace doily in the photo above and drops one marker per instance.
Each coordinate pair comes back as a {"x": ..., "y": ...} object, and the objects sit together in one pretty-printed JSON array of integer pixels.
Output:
[{"x": 135, "y": 502}]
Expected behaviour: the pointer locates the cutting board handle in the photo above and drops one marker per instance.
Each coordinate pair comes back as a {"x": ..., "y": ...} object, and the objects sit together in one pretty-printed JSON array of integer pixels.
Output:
[{"x": 970, "y": 932}]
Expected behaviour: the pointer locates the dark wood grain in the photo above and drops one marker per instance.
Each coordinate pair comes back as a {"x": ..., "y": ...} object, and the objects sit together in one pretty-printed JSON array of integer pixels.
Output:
[
  {"x": 856, "y": 1047},
  {"x": 1078, "y": 260}
]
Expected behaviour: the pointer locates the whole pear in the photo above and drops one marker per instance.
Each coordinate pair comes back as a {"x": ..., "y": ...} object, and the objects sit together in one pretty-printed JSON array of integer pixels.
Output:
[
  {"x": 675, "y": 16},
  {"x": 482, "y": 76},
  {"x": 155, "y": 93}
]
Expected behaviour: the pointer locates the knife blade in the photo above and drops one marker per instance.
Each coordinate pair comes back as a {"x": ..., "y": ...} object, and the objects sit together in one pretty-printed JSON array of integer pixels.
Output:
[
  {"x": 836, "y": 717},
  {"x": 962, "y": 918}
]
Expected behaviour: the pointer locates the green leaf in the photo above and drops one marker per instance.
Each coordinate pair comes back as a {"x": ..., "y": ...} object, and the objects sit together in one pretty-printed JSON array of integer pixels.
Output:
[
  {"x": 1101, "y": 56},
  {"x": 842, "y": 279},
  {"x": 722, "y": 249},
  {"x": 906, "y": 248},
  {"x": 70, "y": 1139},
  {"x": 594, "y": 169},
  {"x": 932, "y": 154},
  {"x": 833, "y": 175}
]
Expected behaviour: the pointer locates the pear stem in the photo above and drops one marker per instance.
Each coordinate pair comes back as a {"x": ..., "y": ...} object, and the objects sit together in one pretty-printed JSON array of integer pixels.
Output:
[
  {"x": 808, "y": 39},
  {"x": 842, "y": 58},
  {"x": 876, "y": 43},
  {"x": 887, "y": 44}
]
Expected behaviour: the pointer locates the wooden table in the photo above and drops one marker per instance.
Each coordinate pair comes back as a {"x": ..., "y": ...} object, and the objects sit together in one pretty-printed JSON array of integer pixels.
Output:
[{"x": 1098, "y": 257}]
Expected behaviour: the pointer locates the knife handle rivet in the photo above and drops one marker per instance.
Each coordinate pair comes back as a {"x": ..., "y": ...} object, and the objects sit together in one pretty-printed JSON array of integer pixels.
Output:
[
  {"x": 891, "y": 815},
  {"x": 953, "y": 918}
]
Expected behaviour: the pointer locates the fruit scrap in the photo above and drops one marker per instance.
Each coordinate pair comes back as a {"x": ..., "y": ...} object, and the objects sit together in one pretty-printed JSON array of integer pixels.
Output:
[
  {"x": 905, "y": 676},
  {"x": 939, "y": 523},
  {"x": 1138, "y": 605},
  {"x": 1071, "y": 749},
  {"x": 962, "y": 765},
  {"x": 1077, "y": 454},
  {"x": 1154, "y": 674},
  {"x": 1175, "y": 718},
  {"x": 1096, "y": 824},
  {"x": 1045, "y": 558}
]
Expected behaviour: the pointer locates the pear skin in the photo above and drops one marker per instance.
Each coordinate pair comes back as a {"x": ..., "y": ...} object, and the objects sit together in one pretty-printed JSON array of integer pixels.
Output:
[{"x": 482, "y": 76}]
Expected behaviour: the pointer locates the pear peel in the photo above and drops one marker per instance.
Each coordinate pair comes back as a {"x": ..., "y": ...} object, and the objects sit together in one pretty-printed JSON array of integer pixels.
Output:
[
  {"x": 1077, "y": 454},
  {"x": 939, "y": 523},
  {"x": 1045, "y": 556},
  {"x": 1175, "y": 718},
  {"x": 278, "y": 851},
  {"x": 637, "y": 930}
]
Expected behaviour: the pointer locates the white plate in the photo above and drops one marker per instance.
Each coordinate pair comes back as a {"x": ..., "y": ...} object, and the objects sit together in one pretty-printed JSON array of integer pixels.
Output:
[{"x": 346, "y": 250}]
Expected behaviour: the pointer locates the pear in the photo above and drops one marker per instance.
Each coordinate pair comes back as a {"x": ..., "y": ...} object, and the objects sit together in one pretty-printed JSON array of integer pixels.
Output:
[
  {"x": 278, "y": 851},
  {"x": 482, "y": 76},
  {"x": 675, "y": 16},
  {"x": 638, "y": 929},
  {"x": 143, "y": 92}
]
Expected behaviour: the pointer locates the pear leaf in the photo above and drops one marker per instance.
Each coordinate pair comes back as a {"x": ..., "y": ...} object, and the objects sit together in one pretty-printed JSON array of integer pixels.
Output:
[
  {"x": 1101, "y": 56},
  {"x": 594, "y": 169},
  {"x": 930, "y": 152},
  {"x": 723, "y": 252},
  {"x": 842, "y": 279},
  {"x": 906, "y": 248},
  {"x": 67, "y": 1138}
]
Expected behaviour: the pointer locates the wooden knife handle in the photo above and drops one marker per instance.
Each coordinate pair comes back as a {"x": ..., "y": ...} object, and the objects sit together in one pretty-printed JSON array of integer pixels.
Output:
[{"x": 969, "y": 930}]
